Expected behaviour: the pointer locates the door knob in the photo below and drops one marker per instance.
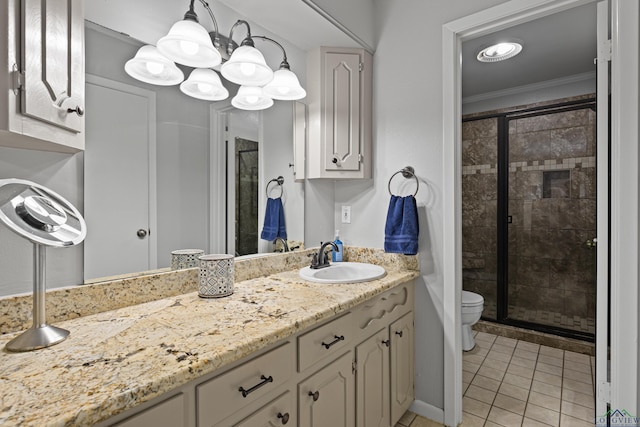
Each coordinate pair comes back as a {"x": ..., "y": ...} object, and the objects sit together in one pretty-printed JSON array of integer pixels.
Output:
[{"x": 142, "y": 233}]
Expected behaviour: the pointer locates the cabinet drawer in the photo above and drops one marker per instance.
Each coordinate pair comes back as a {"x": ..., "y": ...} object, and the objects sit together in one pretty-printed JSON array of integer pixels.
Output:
[
  {"x": 171, "y": 412},
  {"x": 385, "y": 308},
  {"x": 325, "y": 341},
  {"x": 241, "y": 386},
  {"x": 279, "y": 412}
]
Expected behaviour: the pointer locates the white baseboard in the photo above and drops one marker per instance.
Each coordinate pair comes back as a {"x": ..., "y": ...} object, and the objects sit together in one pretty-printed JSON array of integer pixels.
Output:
[{"x": 428, "y": 411}]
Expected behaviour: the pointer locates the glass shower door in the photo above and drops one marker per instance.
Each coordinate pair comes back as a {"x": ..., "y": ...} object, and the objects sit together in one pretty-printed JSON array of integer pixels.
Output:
[{"x": 551, "y": 223}]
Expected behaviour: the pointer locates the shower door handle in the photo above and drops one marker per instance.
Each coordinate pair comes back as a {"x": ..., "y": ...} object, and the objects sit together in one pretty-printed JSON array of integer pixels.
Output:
[{"x": 592, "y": 243}]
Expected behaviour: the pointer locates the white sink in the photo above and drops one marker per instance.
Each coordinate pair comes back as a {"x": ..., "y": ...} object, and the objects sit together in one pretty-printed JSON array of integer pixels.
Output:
[{"x": 343, "y": 272}]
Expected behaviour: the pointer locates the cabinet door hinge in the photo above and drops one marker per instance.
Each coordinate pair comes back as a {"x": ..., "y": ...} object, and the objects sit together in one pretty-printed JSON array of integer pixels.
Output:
[
  {"x": 354, "y": 367},
  {"x": 361, "y": 66},
  {"x": 360, "y": 158},
  {"x": 604, "y": 392},
  {"x": 17, "y": 78}
]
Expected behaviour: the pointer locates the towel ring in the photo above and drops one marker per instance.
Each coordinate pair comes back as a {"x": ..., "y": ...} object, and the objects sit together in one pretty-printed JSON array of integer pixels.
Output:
[
  {"x": 279, "y": 180},
  {"x": 407, "y": 172}
]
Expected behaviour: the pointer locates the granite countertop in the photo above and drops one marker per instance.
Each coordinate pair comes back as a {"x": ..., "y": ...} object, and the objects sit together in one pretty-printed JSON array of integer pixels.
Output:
[{"x": 116, "y": 359}]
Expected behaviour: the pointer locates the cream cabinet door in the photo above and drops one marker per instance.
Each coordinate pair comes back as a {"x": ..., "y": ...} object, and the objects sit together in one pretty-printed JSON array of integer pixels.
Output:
[
  {"x": 372, "y": 381},
  {"x": 327, "y": 397},
  {"x": 53, "y": 62},
  {"x": 281, "y": 411},
  {"x": 402, "y": 381}
]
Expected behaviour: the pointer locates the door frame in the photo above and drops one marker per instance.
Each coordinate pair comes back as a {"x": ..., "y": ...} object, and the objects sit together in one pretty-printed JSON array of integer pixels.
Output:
[
  {"x": 453, "y": 34},
  {"x": 151, "y": 156}
]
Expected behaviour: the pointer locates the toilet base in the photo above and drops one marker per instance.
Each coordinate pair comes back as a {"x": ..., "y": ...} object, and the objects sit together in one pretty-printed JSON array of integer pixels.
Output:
[{"x": 467, "y": 338}]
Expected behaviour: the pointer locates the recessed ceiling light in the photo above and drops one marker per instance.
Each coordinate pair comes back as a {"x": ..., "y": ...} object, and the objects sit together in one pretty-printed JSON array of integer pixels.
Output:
[{"x": 499, "y": 52}]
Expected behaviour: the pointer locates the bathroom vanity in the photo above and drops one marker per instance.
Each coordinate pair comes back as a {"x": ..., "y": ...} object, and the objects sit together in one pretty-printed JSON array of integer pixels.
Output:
[{"x": 279, "y": 351}]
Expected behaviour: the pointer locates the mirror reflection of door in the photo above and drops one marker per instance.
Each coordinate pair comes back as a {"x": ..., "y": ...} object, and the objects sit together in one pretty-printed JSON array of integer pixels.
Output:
[
  {"x": 117, "y": 187},
  {"x": 246, "y": 182}
]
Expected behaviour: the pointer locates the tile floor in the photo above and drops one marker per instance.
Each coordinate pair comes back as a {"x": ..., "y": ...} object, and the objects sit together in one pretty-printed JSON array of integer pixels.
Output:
[
  {"x": 409, "y": 419},
  {"x": 508, "y": 382}
]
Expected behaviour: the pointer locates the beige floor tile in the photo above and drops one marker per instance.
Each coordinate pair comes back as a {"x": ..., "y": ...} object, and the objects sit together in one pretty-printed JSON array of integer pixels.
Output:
[
  {"x": 548, "y": 389},
  {"x": 521, "y": 361},
  {"x": 568, "y": 421},
  {"x": 549, "y": 360},
  {"x": 520, "y": 371},
  {"x": 509, "y": 403},
  {"x": 549, "y": 369},
  {"x": 528, "y": 346},
  {"x": 570, "y": 356},
  {"x": 492, "y": 424},
  {"x": 577, "y": 411},
  {"x": 484, "y": 336},
  {"x": 484, "y": 382},
  {"x": 407, "y": 418},
  {"x": 517, "y": 380},
  {"x": 502, "y": 349},
  {"x": 528, "y": 422},
  {"x": 465, "y": 386},
  {"x": 491, "y": 373},
  {"x": 475, "y": 407},
  {"x": 514, "y": 391},
  {"x": 578, "y": 398},
  {"x": 478, "y": 350},
  {"x": 473, "y": 358},
  {"x": 578, "y": 376},
  {"x": 496, "y": 355},
  {"x": 579, "y": 386},
  {"x": 543, "y": 415},
  {"x": 504, "y": 418},
  {"x": 544, "y": 401},
  {"x": 548, "y": 378},
  {"x": 424, "y": 422},
  {"x": 508, "y": 342},
  {"x": 585, "y": 369},
  {"x": 550, "y": 351},
  {"x": 467, "y": 376},
  {"x": 470, "y": 367},
  {"x": 481, "y": 394},
  {"x": 531, "y": 355},
  {"x": 495, "y": 364},
  {"x": 470, "y": 420}
]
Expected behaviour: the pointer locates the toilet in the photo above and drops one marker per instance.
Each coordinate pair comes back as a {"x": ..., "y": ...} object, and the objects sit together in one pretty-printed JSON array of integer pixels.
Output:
[{"x": 472, "y": 305}]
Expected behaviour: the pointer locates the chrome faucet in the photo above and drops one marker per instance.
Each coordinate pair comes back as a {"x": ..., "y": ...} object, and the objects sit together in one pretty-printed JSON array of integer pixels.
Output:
[
  {"x": 321, "y": 259},
  {"x": 285, "y": 246}
]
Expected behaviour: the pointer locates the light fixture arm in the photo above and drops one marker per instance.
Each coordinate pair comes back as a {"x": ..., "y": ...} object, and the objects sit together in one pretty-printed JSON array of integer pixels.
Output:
[
  {"x": 248, "y": 41},
  {"x": 215, "y": 36},
  {"x": 284, "y": 63}
]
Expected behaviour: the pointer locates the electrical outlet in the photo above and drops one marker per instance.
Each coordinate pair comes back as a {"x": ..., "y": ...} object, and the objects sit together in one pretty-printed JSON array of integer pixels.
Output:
[{"x": 346, "y": 214}]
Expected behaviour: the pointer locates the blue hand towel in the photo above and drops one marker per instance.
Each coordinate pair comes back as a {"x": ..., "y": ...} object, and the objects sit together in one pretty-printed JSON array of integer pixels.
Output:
[
  {"x": 401, "y": 230},
  {"x": 274, "y": 220}
]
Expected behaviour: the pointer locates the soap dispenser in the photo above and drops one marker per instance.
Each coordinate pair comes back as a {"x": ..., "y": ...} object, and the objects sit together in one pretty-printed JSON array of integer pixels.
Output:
[{"x": 336, "y": 256}]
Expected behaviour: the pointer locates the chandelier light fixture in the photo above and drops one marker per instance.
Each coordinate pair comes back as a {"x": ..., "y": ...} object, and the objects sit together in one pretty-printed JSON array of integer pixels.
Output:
[{"x": 189, "y": 43}]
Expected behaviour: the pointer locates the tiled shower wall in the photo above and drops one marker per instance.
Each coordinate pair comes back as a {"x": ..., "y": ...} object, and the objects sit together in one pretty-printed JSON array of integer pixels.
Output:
[{"x": 552, "y": 204}]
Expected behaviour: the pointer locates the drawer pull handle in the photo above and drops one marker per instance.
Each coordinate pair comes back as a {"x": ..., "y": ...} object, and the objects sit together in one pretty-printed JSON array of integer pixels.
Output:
[
  {"x": 264, "y": 379},
  {"x": 399, "y": 333},
  {"x": 335, "y": 341},
  {"x": 315, "y": 395},
  {"x": 387, "y": 343},
  {"x": 284, "y": 417}
]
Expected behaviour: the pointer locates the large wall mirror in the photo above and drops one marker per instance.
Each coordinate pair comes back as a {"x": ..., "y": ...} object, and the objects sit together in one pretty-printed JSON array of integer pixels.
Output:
[{"x": 156, "y": 161}]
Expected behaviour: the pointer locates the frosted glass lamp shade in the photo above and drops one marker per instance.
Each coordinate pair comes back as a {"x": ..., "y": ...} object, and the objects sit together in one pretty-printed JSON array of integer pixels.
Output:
[
  {"x": 149, "y": 66},
  {"x": 247, "y": 67},
  {"x": 204, "y": 83},
  {"x": 251, "y": 98},
  {"x": 284, "y": 86},
  {"x": 188, "y": 43}
]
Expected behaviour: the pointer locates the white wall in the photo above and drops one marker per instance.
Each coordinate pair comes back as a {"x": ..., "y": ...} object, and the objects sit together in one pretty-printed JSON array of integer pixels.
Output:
[{"x": 408, "y": 131}]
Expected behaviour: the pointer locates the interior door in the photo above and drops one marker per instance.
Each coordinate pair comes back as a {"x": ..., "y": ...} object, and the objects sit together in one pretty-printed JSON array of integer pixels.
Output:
[
  {"x": 120, "y": 144},
  {"x": 602, "y": 257}
]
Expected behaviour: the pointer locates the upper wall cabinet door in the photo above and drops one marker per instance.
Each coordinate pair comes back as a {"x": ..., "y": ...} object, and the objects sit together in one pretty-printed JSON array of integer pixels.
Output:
[
  {"x": 43, "y": 106},
  {"x": 339, "y": 99},
  {"x": 52, "y": 50}
]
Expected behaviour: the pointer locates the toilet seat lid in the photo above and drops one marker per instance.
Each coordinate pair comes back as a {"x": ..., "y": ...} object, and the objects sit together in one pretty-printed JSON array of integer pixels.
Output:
[{"x": 471, "y": 298}]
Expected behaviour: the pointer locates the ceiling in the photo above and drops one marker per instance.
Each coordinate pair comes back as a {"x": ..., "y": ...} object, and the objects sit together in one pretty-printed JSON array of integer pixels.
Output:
[{"x": 554, "y": 47}]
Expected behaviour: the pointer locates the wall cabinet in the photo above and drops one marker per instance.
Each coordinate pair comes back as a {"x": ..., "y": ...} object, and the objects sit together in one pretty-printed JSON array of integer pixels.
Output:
[
  {"x": 355, "y": 369},
  {"x": 339, "y": 97},
  {"x": 42, "y": 80}
]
